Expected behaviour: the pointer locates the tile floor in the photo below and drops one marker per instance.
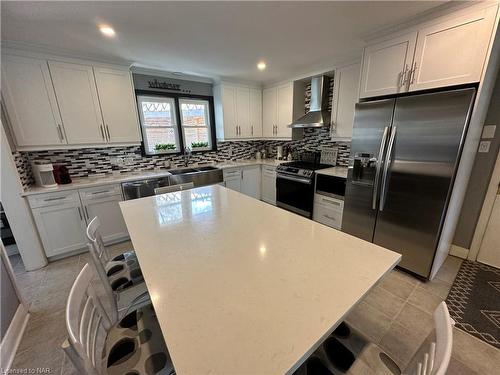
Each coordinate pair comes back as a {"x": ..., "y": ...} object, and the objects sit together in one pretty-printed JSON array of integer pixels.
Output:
[{"x": 396, "y": 315}]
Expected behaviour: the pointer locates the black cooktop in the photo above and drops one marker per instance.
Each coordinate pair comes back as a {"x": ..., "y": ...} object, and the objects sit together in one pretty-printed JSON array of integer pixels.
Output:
[{"x": 306, "y": 165}]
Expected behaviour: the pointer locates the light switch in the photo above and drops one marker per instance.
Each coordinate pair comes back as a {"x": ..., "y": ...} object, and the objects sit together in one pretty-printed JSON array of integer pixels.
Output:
[
  {"x": 489, "y": 131},
  {"x": 484, "y": 146}
]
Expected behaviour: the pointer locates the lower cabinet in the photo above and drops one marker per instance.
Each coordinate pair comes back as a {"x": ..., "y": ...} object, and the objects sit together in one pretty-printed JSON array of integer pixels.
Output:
[
  {"x": 245, "y": 180},
  {"x": 104, "y": 203},
  {"x": 60, "y": 222},
  {"x": 62, "y": 218},
  {"x": 268, "y": 194},
  {"x": 328, "y": 211}
]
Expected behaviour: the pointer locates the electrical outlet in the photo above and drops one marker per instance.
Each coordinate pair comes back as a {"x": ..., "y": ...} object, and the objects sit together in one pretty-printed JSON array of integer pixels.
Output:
[{"x": 484, "y": 146}]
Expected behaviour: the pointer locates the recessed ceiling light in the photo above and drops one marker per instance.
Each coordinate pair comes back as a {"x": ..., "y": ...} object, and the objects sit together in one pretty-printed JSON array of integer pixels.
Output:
[
  {"x": 261, "y": 65},
  {"x": 107, "y": 30}
]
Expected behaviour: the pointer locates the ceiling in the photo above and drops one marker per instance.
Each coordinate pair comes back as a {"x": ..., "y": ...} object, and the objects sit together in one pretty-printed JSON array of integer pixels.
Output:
[{"x": 211, "y": 39}]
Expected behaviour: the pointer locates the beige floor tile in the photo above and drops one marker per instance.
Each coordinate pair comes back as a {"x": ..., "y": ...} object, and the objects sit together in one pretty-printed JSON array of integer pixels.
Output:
[
  {"x": 384, "y": 301},
  {"x": 401, "y": 343},
  {"x": 399, "y": 284},
  {"x": 369, "y": 321},
  {"x": 415, "y": 319},
  {"x": 436, "y": 287},
  {"x": 476, "y": 354},
  {"x": 424, "y": 300},
  {"x": 458, "y": 368},
  {"x": 39, "y": 356},
  {"x": 44, "y": 329},
  {"x": 67, "y": 367},
  {"x": 449, "y": 269}
]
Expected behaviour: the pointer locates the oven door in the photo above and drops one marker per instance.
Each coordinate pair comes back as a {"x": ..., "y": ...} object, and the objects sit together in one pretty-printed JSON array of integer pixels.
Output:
[{"x": 295, "y": 194}]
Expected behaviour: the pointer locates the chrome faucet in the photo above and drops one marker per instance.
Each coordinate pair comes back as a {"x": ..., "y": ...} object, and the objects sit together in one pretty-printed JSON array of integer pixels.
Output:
[{"x": 187, "y": 156}]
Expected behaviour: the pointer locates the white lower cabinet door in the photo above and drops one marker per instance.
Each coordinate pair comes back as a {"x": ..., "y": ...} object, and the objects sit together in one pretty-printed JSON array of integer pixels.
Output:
[
  {"x": 108, "y": 211},
  {"x": 232, "y": 179},
  {"x": 250, "y": 184},
  {"x": 325, "y": 215},
  {"x": 61, "y": 228},
  {"x": 269, "y": 185}
]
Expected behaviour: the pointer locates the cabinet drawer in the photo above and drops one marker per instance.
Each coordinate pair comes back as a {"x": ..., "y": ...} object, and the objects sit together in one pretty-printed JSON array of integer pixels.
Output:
[
  {"x": 100, "y": 192},
  {"x": 327, "y": 216},
  {"x": 54, "y": 199},
  {"x": 231, "y": 172},
  {"x": 331, "y": 203}
]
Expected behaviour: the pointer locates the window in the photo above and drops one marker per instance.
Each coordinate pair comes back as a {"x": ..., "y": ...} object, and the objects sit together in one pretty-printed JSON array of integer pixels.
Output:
[
  {"x": 195, "y": 121},
  {"x": 170, "y": 123},
  {"x": 159, "y": 125}
]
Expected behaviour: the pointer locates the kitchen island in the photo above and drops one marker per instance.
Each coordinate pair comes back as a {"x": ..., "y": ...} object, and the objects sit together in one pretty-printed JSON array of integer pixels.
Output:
[{"x": 242, "y": 287}]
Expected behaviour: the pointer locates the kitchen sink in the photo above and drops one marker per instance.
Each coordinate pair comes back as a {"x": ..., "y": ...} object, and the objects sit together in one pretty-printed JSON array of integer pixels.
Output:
[{"x": 201, "y": 176}]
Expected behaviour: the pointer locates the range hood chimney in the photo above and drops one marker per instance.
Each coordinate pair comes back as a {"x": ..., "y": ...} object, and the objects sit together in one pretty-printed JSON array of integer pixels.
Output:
[{"x": 318, "y": 115}]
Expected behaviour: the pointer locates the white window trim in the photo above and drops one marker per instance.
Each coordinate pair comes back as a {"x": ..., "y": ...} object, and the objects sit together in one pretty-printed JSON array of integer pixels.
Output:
[
  {"x": 208, "y": 126},
  {"x": 159, "y": 99}
]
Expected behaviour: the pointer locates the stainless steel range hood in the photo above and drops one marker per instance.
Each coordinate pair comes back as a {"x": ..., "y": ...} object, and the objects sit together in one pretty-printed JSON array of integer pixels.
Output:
[{"x": 318, "y": 115}]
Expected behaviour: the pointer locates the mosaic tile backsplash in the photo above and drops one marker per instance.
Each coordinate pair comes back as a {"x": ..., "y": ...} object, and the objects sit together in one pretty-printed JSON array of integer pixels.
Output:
[{"x": 87, "y": 162}]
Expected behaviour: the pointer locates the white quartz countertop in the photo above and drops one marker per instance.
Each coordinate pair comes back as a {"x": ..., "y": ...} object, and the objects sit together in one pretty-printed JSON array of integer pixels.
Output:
[
  {"x": 334, "y": 171},
  {"x": 109, "y": 179},
  {"x": 242, "y": 287}
]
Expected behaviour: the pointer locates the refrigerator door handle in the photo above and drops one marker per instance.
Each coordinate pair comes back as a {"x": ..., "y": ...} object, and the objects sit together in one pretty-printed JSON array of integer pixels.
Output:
[
  {"x": 378, "y": 167},
  {"x": 387, "y": 163}
]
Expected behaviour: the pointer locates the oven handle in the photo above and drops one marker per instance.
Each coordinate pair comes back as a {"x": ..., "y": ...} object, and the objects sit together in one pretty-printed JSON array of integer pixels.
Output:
[{"x": 295, "y": 179}]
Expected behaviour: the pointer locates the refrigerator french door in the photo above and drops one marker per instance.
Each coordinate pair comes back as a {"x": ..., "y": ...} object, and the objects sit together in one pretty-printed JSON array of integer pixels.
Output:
[{"x": 404, "y": 156}]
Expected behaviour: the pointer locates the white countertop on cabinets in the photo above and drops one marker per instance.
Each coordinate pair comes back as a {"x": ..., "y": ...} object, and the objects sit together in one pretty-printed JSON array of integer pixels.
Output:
[
  {"x": 118, "y": 178},
  {"x": 240, "y": 286},
  {"x": 334, "y": 171}
]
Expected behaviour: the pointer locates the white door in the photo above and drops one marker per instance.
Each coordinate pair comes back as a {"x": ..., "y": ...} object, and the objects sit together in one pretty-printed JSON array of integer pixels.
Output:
[
  {"x": 31, "y": 102},
  {"x": 251, "y": 181},
  {"x": 118, "y": 105},
  {"x": 385, "y": 64},
  {"x": 269, "y": 111},
  {"x": 232, "y": 179},
  {"x": 78, "y": 102},
  {"x": 453, "y": 52},
  {"x": 285, "y": 110},
  {"x": 243, "y": 112},
  {"x": 108, "y": 211},
  {"x": 229, "y": 111},
  {"x": 489, "y": 252},
  {"x": 61, "y": 228},
  {"x": 256, "y": 112},
  {"x": 268, "y": 185},
  {"x": 344, "y": 100}
]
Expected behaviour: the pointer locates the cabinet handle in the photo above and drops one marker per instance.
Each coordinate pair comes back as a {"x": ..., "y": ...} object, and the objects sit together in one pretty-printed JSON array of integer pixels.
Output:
[
  {"x": 86, "y": 213},
  {"x": 54, "y": 199},
  {"x": 101, "y": 191},
  {"x": 252, "y": 129},
  {"x": 107, "y": 131},
  {"x": 412, "y": 73},
  {"x": 405, "y": 76},
  {"x": 236, "y": 126},
  {"x": 329, "y": 217},
  {"x": 80, "y": 213},
  {"x": 60, "y": 133},
  {"x": 102, "y": 133}
]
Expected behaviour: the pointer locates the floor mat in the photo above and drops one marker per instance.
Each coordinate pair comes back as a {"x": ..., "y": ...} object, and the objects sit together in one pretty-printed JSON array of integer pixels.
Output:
[{"x": 474, "y": 301}]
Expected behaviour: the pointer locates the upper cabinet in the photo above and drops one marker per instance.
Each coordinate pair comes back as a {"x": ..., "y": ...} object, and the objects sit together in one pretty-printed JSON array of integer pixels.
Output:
[
  {"x": 30, "y": 102},
  {"x": 384, "y": 65},
  {"x": 119, "y": 109},
  {"x": 345, "y": 97},
  {"x": 238, "y": 111},
  {"x": 444, "y": 52},
  {"x": 59, "y": 103},
  {"x": 76, "y": 94},
  {"x": 277, "y": 108}
]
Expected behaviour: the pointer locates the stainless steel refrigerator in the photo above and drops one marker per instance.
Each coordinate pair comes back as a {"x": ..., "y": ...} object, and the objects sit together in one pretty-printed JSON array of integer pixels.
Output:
[{"x": 404, "y": 156}]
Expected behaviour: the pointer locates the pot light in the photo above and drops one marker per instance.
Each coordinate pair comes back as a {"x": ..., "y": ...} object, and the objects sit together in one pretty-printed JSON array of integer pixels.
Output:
[
  {"x": 261, "y": 65},
  {"x": 107, "y": 30}
]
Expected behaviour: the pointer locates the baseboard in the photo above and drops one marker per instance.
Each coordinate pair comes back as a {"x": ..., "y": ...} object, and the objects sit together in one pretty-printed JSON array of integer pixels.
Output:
[
  {"x": 13, "y": 336},
  {"x": 459, "y": 251}
]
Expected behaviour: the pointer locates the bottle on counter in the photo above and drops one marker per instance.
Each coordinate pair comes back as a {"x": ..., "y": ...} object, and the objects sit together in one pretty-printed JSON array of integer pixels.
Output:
[{"x": 258, "y": 155}]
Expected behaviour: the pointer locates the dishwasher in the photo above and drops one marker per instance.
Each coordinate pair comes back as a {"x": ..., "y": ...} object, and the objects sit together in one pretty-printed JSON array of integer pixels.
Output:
[{"x": 143, "y": 188}]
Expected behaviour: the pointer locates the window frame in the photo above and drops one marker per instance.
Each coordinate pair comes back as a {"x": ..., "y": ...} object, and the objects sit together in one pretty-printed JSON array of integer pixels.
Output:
[
  {"x": 180, "y": 131},
  {"x": 210, "y": 124}
]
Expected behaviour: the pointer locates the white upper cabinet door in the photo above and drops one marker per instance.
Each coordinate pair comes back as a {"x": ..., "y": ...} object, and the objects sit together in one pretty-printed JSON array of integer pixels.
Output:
[
  {"x": 30, "y": 102},
  {"x": 344, "y": 100},
  {"x": 250, "y": 184},
  {"x": 453, "y": 52},
  {"x": 116, "y": 96},
  {"x": 256, "y": 112},
  {"x": 243, "y": 112},
  {"x": 269, "y": 111},
  {"x": 386, "y": 65},
  {"x": 78, "y": 102},
  {"x": 229, "y": 111},
  {"x": 285, "y": 110}
]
